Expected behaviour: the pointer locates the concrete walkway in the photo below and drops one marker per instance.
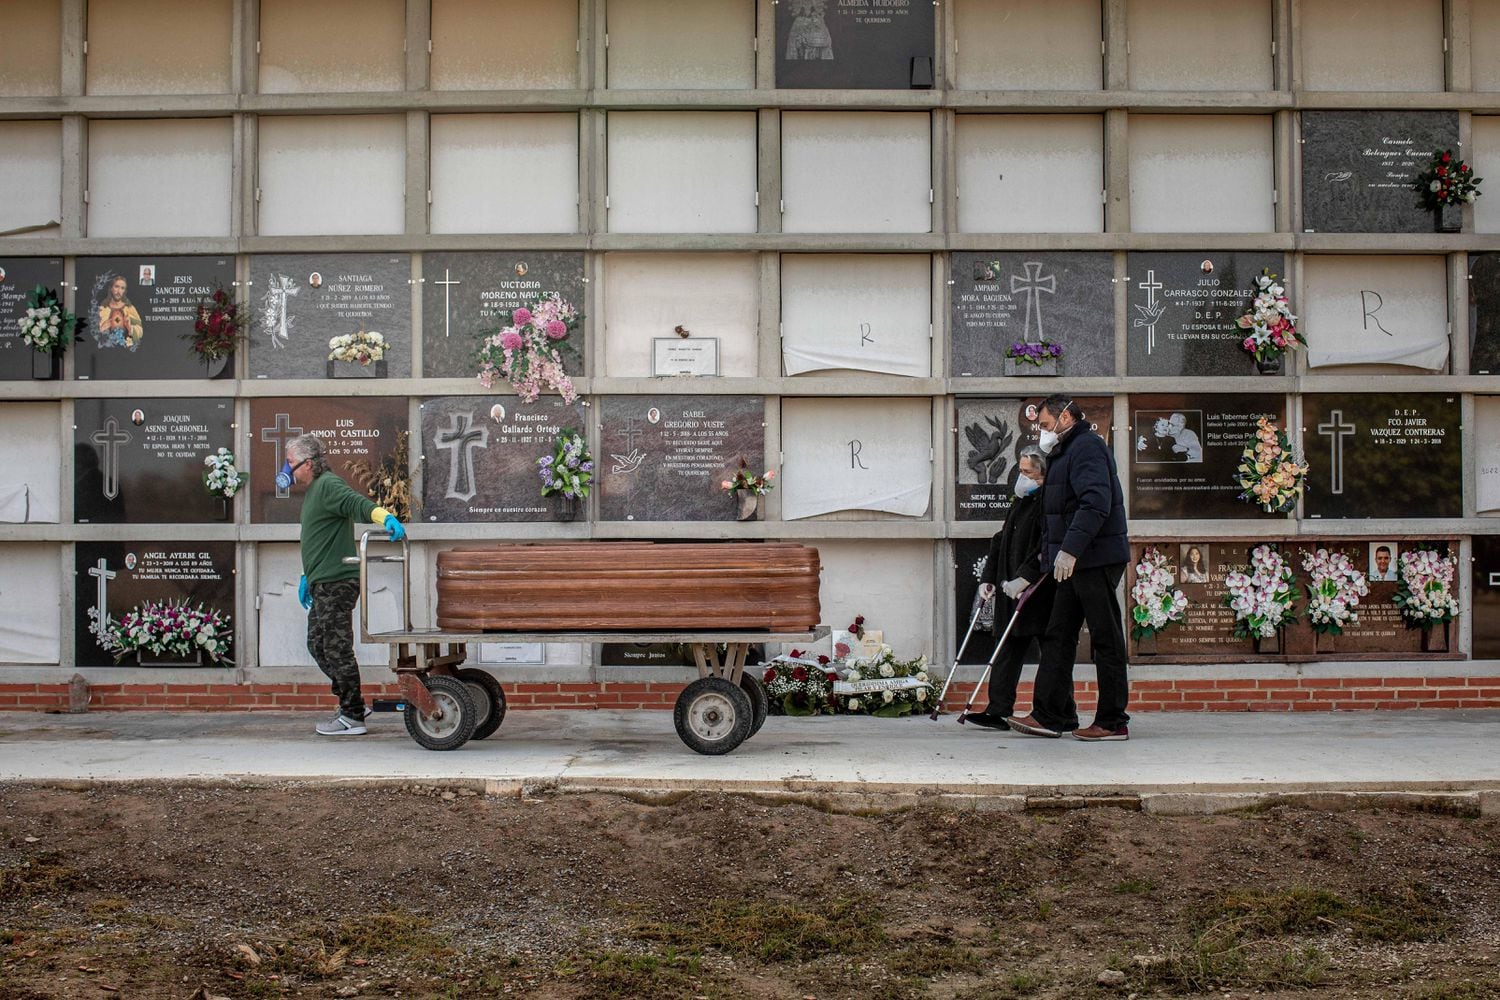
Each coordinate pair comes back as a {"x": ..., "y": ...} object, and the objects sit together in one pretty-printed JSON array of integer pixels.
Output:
[{"x": 1175, "y": 762}]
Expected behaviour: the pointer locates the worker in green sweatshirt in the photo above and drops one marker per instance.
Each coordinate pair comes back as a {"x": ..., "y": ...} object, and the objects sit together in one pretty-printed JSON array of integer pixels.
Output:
[{"x": 330, "y": 587}]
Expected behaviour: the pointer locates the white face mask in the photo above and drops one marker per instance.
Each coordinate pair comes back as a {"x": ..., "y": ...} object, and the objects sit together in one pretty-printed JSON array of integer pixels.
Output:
[
  {"x": 1048, "y": 442},
  {"x": 1025, "y": 485}
]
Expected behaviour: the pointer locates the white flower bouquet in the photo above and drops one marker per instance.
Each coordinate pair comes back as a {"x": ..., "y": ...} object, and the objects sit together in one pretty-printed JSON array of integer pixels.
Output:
[
  {"x": 1157, "y": 603},
  {"x": 223, "y": 478},
  {"x": 1424, "y": 590},
  {"x": 361, "y": 347},
  {"x": 46, "y": 326},
  {"x": 1334, "y": 592},
  {"x": 1261, "y": 596}
]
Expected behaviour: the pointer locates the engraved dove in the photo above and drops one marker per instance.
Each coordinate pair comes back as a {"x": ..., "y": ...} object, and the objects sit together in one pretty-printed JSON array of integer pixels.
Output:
[
  {"x": 629, "y": 462},
  {"x": 987, "y": 452}
]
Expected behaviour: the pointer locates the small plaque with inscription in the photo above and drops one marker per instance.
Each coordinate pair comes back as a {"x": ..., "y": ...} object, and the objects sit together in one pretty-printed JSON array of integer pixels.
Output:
[{"x": 671, "y": 356}]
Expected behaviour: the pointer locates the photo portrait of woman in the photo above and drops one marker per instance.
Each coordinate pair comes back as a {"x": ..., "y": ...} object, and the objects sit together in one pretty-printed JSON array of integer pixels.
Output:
[
  {"x": 119, "y": 321},
  {"x": 1194, "y": 564}
]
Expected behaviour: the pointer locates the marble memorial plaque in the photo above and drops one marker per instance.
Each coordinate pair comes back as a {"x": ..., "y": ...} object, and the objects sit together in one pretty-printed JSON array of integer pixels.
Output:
[
  {"x": 18, "y": 277},
  {"x": 466, "y": 294},
  {"x": 1383, "y": 455},
  {"x": 140, "y": 460},
  {"x": 663, "y": 458},
  {"x": 1484, "y": 313},
  {"x": 1358, "y": 168},
  {"x": 479, "y": 456},
  {"x": 1199, "y": 570},
  {"x": 359, "y": 432},
  {"x": 1185, "y": 450},
  {"x": 301, "y": 301},
  {"x": 991, "y": 434},
  {"x": 140, "y": 310},
  {"x": 1486, "y": 590},
  {"x": 998, "y": 299},
  {"x": 123, "y": 576},
  {"x": 1183, "y": 308},
  {"x": 1380, "y": 628},
  {"x": 855, "y": 44}
]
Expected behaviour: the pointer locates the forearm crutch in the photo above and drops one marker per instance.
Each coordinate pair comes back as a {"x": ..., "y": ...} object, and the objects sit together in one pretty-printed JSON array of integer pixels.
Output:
[
  {"x": 1015, "y": 616},
  {"x": 973, "y": 620}
]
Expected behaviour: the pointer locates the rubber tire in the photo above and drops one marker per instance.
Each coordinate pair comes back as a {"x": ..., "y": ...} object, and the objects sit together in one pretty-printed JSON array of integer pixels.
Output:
[
  {"x": 740, "y": 717},
  {"x": 453, "y": 695},
  {"x": 760, "y": 700},
  {"x": 489, "y": 701}
]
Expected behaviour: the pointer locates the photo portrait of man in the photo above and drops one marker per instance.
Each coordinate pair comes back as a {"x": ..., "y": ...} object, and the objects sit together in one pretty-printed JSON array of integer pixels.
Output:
[
  {"x": 1383, "y": 561},
  {"x": 315, "y": 280},
  {"x": 1193, "y": 563},
  {"x": 118, "y": 322}
]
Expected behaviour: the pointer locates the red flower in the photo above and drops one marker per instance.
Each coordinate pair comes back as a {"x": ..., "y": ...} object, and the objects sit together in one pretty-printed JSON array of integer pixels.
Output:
[
  {"x": 799, "y": 673},
  {"x": 1463, "y": 168},
  {"x": 831, "y": 676},
  {"x": 796, "y": 654},
  {"x": 1447, "y": 157},
  {"x": 1442, "y": 171},
  {"x": 822, "y": 660},
  {"x": 859, "y": 619},
  {"x": 770, "y": 675}
]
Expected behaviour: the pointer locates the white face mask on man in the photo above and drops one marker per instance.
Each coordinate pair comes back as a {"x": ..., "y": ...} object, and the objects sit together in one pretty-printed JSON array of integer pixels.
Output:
[
  {"x": 1049, "y": 439},
  {"x": 1025, "y": 485}
]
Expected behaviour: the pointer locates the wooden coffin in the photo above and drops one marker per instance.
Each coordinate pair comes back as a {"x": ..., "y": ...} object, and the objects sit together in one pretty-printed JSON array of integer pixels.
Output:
[{"x": 628, "y": 586}]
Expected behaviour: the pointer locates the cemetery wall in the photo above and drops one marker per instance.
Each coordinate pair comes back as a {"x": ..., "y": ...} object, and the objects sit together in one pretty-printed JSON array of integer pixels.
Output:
[{"x": 801, "y": 235}]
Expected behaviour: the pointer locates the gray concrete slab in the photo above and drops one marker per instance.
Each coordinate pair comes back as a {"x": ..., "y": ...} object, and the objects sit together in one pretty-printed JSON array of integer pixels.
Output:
[{"x": 1171, "y": 762}]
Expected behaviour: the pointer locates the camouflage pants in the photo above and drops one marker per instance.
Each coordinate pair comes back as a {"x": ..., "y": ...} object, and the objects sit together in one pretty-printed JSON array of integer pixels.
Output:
[{"x": 330, "y": 639}]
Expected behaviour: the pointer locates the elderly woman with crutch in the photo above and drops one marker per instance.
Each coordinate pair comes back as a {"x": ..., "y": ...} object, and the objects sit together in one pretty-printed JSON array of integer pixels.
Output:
[{"x": 1013, "y": 566}]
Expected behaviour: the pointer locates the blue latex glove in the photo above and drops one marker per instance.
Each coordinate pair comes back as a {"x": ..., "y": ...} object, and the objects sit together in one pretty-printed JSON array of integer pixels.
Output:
[
  {"x": 398, "y": 533},
  {"x": 304, "y": 594}
]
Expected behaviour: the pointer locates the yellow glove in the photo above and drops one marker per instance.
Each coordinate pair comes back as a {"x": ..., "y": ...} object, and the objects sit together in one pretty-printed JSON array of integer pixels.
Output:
[{"x": 378, "y": 516}]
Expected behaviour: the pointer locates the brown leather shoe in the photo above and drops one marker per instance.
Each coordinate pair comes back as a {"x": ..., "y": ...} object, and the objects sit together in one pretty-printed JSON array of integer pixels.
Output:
[
  {"x": 1028, "y": 726},
  {"x": 1098, "y": 734}
]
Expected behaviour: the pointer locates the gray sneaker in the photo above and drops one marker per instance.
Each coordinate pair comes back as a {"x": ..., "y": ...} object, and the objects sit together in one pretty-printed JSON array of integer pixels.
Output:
[{"x": 341, "y": 725}]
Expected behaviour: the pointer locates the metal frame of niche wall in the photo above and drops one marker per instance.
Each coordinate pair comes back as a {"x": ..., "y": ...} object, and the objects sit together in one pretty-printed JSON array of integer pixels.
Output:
[{"x": 593, "y": 102}]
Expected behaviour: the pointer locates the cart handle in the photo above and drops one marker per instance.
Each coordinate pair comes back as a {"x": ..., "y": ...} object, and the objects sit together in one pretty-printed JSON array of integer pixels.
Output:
[{"x": 364, "y": 559}]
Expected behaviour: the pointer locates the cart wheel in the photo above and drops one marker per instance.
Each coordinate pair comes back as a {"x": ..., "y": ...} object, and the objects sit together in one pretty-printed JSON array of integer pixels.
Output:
[
  {"x": 760, "y": 701},
  {"x": 713, "y": 716},
  {"x": 489, "y": 700},
  {"x": 457, "y": 724}
]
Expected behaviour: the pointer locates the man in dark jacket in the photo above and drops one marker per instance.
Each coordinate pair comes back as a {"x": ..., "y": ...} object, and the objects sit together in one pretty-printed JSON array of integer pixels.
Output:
[
  {"x": 1015, "y": 563},
  {"x": 1085, "y": 546}
]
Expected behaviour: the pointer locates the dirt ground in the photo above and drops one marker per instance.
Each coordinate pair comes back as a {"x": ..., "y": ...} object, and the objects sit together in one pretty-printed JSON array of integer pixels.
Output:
[{"x": 295, "y": 891}]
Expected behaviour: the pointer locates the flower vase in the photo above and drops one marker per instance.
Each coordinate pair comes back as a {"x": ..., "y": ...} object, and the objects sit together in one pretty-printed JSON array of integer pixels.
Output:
[
  {"x": 1325, "y": 642},
  {"x": 746, "y": 504},
  {"x": 567, "y": 509},
  {"x": 1447, "y": 218},
  {"x": 1269, "y": 646},
  {"x": 226, "y": 508},
  {"x": 353, "y": 369},
  {"x": 1146, "y": 645},
  {"x": 46, "y": 366},
  {"x": 146, "y": 658},
  {"x": 1017, "y": 368},
  {"x": 1435, "y": 638},
  {"x": 219, "y": 368},
  {"x": 1269, "y": 366}
]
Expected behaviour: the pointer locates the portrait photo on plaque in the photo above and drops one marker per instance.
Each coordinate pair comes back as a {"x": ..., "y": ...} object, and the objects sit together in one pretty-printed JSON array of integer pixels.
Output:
[
  {"x": 140, "y": 312},
  {"x": 151, "y": 585},
  {"x": 19, "y": 276},
  {"x": 141, "y": 461}
]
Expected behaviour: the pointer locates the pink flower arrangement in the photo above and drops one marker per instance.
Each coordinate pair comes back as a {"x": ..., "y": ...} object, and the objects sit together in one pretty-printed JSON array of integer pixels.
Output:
[
  {"x": 527, "y": 353},
  {"x": 166, "y": 627},
  {"x": 1261, "y": 596},
  {"x": 1425, "y": 589},
  {"x": 1271, "y": 327},
  {"x": 759, "y": 485}
]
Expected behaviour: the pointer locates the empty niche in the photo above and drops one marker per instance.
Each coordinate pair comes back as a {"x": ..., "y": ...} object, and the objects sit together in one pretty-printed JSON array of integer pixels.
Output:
[
  {"x": 1181, "y": 45},
  {"x": 30, "y": 460},
  {"x": 681, "y": 44},
  {"x": 827, "y": 182},
  {"x": 890, "y": 583},
  {"x": 709, "y": 295},
  {"x": 282, "y": 624},
  {"x": 332, "y": 174},
  {"x": 31, "y": 593},
  {"x": 160, "y": 178},
  {"x": 1485, "y": 138},
  {"x": 1005, "y": 160},
  {"x": 505, "y": 173},
  {"x": 504, "y": 45},
  {"x": 1375, "y": 45},
  {"x": 31, "y": 177},
  {"x": 860, "y": 312},
  {"x": 682, "y": 172},
  {"x": 1364, "y": 310},
  {"x": 332, "y": 45},
  {"x": 856, "y": 455},
  {"x": 1484, "y": 43},
  {"x": 195, "y": 32},
  {"x": 1028, "y": 44},
  {"x": 31, "y": 48},
  {"x": 1487, "y": 454},
  {"x": 1201, "y": 174}
]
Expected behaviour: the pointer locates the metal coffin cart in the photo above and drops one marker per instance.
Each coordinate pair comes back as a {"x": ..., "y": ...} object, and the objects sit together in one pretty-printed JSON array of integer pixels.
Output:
[{"x": 446, "y": 704}]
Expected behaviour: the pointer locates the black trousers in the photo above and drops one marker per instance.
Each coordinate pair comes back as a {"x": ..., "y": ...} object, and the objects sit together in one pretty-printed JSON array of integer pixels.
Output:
[
  {"x": 1086, "y": 596},
  {"x": 1006, "y": 675}
]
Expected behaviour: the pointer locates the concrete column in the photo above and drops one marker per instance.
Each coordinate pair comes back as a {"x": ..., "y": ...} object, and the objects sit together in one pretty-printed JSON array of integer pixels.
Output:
[
  {"x": 75, "y": 178},
  {"x": 418, "y": 181},
  {"x": 1116, "y": 47},
  {"x": 1116, "y": 171},
  {"x": 1458, "y": 73},
  {"x": 768, "y": 170},
  {"x": 1283, "y": 43},
  {"x": 418, "y": 44},
  {"x": 944, "y": 171},
  {"x": 765, "y": 44},
  {"x": 592, "y": 45},
  {"x": 74, "y": 46},
  {"x": 247, "y": 22},
  {"x": 768, "y": 364},
  {"x": 1284, "y": 164}
]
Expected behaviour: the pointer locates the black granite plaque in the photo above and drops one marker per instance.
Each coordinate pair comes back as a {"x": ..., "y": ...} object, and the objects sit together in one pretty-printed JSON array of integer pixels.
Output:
[
  {"x": 856, "y": 44},
  {"x": 1486, "y": 580},
  {"x": 1185, "y": 450},
  {"x": 18, "y": 277},
  {"x": 1358, "y": 168},
  {"x": 664, "y": 458},
  {"x": 358, "y": 431},
  {"x": 1484, "y": 313},
  {"x": 139, "y": 309},
  {"x": 302, "y": 301},
  {"x": 991, "y": 434},
  {"x": 1183, "y": 308},
  {"x": 140, "y": 460},
  {"x": 999, "y": 299},
  {"x": 124, "y": 576},
  {"x": 466, "y": 294},
  {"x": 479, "y": 456},
  {"x": 1383, "y": 455}
]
